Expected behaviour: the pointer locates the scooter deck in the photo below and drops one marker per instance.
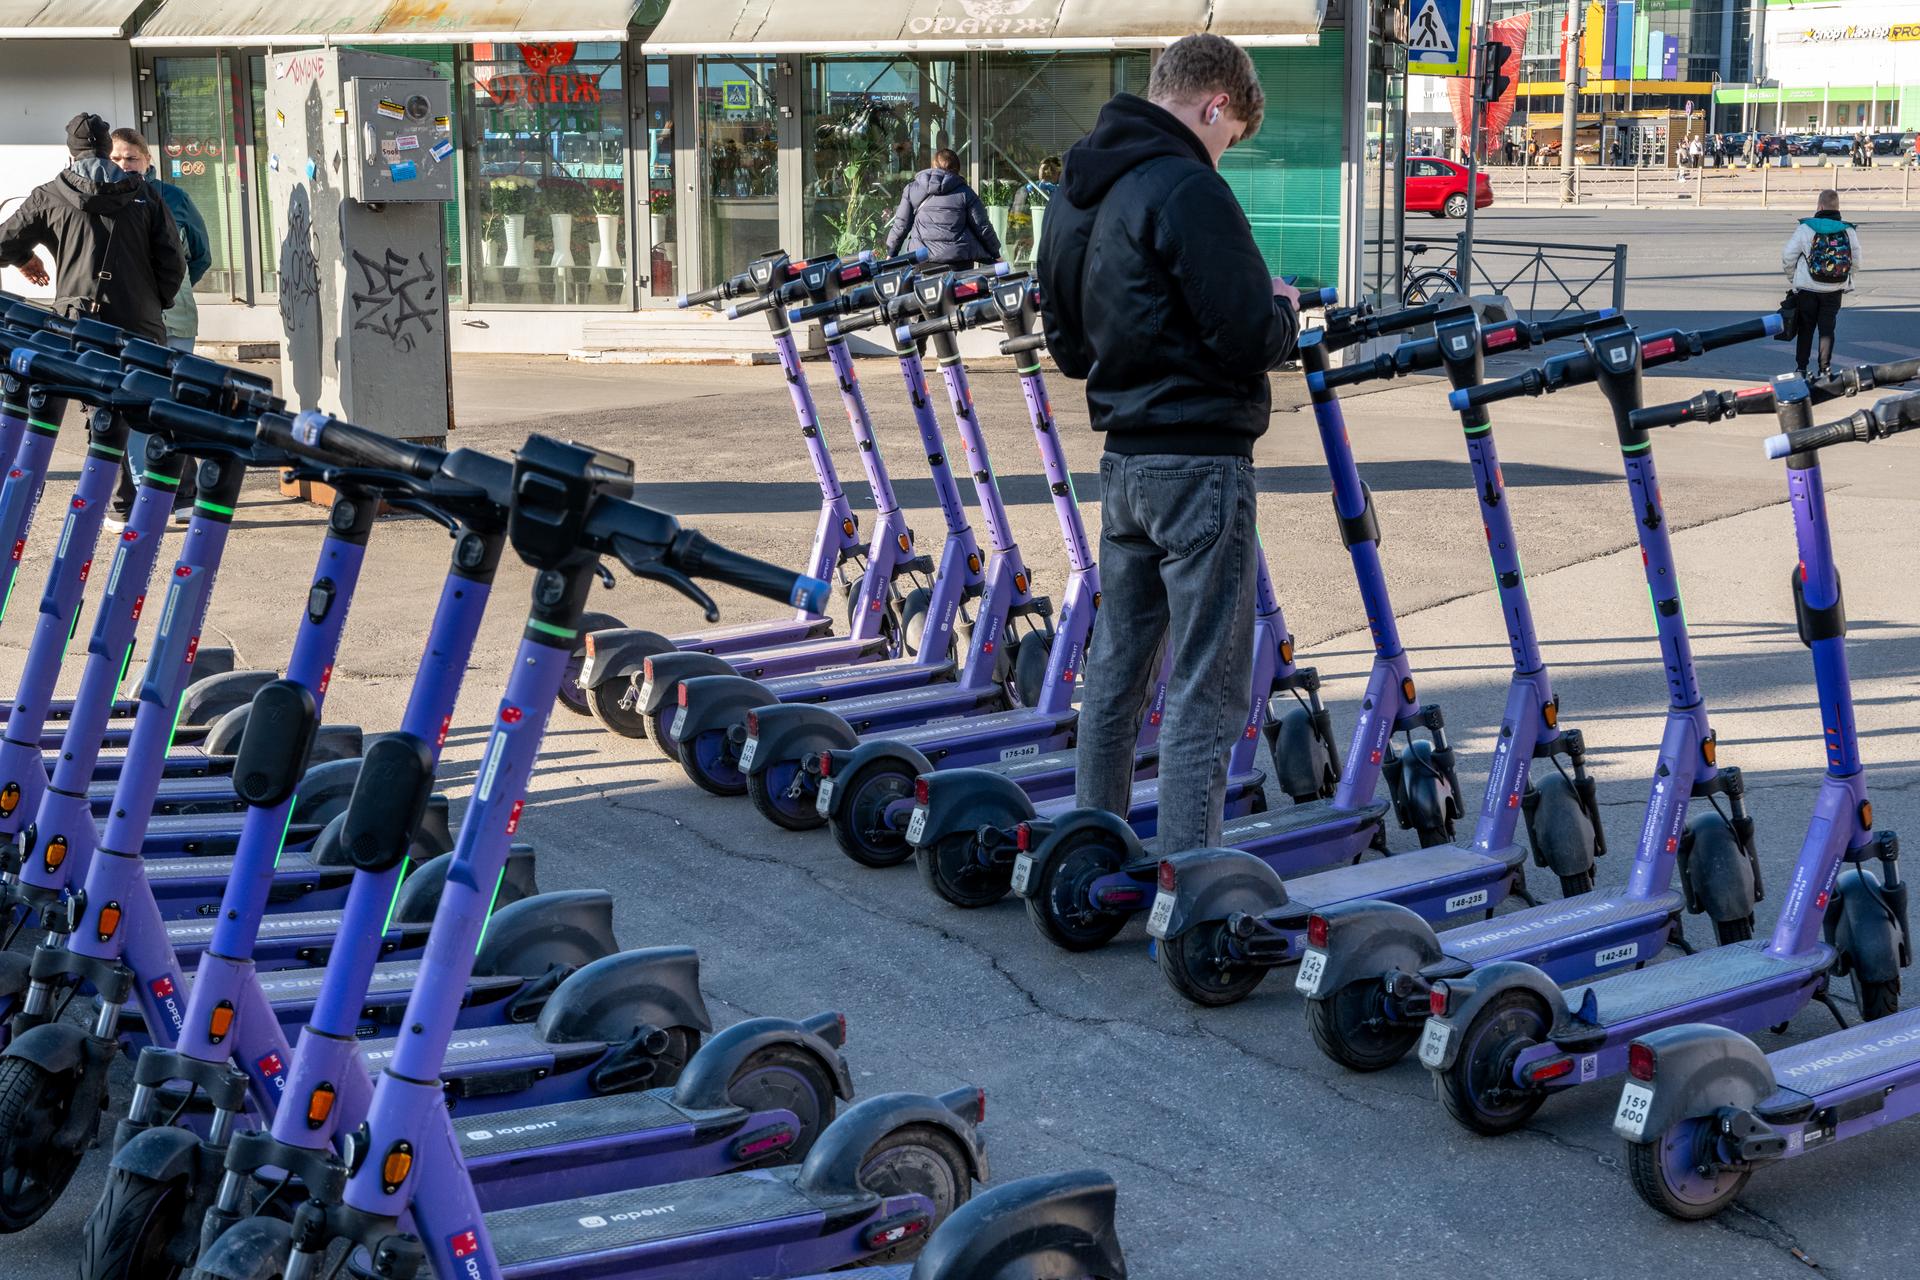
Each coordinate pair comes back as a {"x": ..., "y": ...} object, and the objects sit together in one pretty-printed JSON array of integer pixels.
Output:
[
  {"x": 884, "y": 712},
  {"x": 213, "y": 789},
  {"x": 182, "y": 762},
  {"x": 766, "y": 1201},
  {"x": 1317, "y": 822},
  {"x": 1390, "y": 878},
  {"x": 210, "y": 833},
  {"x": 290, "y": 938},
  {"x": 292, "y": 992},
  {"x": 575, "y": 1124},
  {"x": 752, "y": 635},
  {"x": 885, "y": 676},
  {"x": 512, "y": 1050},
  {"x": 1671, "y": 987},
  {"x": 1534, "y": 931},
  {"x": 1804, "y": 1072},
  {"x": 1014, "y": 729},
  {"x": 806, "y": 656},
  {"x": 1144, "y": 803},
  {"x": 185, "y": 887}
]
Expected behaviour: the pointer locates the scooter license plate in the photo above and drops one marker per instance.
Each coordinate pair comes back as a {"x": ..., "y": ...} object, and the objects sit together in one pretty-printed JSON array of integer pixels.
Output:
[
  {"x": 1161, "y": 916},
  {"x": 823, "y": 801},
  {"x": 916, "y": 826},
  {"x": 1433, "y": 1044},
  {"x": 646, "y": 688},
  {"x": 679, "y": 722},
  {"x": 1636, "y": 1104},
  {"x": 1313, "y": 967},
  {"x": 1022, "y": 872},
  {"x": 746, "y": 754}
]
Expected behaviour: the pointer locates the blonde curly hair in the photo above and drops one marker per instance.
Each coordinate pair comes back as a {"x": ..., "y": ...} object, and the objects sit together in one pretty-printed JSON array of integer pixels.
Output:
[{"x": 1199, "y": 66}]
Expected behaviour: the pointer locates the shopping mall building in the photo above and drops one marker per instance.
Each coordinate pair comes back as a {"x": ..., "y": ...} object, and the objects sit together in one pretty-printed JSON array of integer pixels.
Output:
[{"x": 613, "y": 156}]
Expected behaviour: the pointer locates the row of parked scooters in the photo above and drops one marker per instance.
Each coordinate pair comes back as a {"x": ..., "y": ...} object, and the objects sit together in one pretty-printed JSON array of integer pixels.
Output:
[
  {"x": 364, "y": 1042},
  {"x": 939, "y": 729}
]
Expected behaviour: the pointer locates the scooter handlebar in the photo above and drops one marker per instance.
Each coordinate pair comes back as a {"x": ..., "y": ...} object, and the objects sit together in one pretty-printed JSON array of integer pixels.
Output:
[
  {"x": 1531, "y": 382},
  {"x": 330, "y": 440},
  {"x": 1568, "y": 326},
  {"x": 188, "y": 425},
  {"x": 697, "y": 557},
  {"x": 752, "y": 307},
  {"x": 1024, "y": 343},
  {"x": 1889, "y": 417},
  {"x": 44, "y": 366},
  {"x": 1318, "y": 299},
  {"x": 1728, "y": 335},
  {"x": 702, "y": 298}
]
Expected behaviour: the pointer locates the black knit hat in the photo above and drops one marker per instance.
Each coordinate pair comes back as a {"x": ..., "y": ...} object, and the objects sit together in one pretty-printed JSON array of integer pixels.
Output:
[{"x": 88, "y": 135}]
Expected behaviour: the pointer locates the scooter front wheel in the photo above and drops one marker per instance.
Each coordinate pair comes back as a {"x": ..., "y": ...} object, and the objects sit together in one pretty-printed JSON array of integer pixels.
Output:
[
  {"x": 710, "y": 765},
  {"x": 571, "y": 695},
  {"x": 917, "y": 1159},
  {"x": 1478, "y": 1089},
  {"x": 769, "y": 788},
  {"x": 781, "y": 1077},
  {"x": 1061, "y": 905},
  {"x": 251, "y": 1249},
  {"x": 1667, "y": 1173},
  {"x": 1197, "y": 966},
  {"x": 34, "y": 1171},
  {"x": 955, "y": 875},
  {"x": 860, "y": 827},
  {"x": 131, "y": 1225},
  {"x": 1354, "y": 1027}
]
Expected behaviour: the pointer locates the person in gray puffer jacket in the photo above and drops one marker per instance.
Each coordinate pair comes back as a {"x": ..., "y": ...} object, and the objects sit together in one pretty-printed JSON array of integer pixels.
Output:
[{"x": 940, "y": 213}]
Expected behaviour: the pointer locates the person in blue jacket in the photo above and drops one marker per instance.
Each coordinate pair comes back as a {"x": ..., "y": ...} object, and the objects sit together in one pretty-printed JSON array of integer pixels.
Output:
[
  {"x": 182, "y": 316},
  {"x": 940, "y": 213}
]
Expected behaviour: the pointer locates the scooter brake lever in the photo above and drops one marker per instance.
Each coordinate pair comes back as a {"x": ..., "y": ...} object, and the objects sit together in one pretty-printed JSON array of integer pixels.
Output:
[
  {"x": 421, "y": 507},
  {"x": 642, "y": 559},
  {"x": 605, "y": 574}
]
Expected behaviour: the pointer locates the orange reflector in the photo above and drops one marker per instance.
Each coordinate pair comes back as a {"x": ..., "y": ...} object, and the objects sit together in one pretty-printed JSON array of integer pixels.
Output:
[
  {"x": 1286, "y": 651},
  {"x": 1096, "y": 599},
  {"x": 56, "y": 853},
  {"x": 1406, "y": 688},
  {"x": 589, "y": 644},
  {"x": 1552, "y": 713},
  {"x": 319, "y": 1105},
  {"x": 1709, "y": 750},
  {"x": 973, "y": 563},
  {"x": 847, "y": 527},
  {"x": 221, "y": 1022},
  {"x": 1866, "y": 815},
  {"x": 906, "y": 544},
  {"x": 109, "y": 920},
  {"x": 398, "y": 1164},
  {"x": 1019, "y": 582}
]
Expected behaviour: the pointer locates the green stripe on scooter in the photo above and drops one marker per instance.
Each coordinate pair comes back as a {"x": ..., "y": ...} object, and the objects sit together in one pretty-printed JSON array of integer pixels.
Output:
[{"x": 547, "y": 628}]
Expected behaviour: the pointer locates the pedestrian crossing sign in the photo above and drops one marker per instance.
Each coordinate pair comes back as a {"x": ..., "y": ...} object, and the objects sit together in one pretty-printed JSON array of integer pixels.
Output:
[{"x": 1438, "y": 37}]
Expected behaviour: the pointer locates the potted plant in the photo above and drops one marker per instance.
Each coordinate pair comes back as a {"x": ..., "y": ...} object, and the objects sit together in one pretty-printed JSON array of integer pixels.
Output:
[
  {"x": 659, "y": 209},
  {"x": 490, "y": 226},
  {"x": 565, "y": 200},
  {"x": 509, "y": 197},
  {"x": 997, "y": 195},
  {"x": 609, "y": 202}
]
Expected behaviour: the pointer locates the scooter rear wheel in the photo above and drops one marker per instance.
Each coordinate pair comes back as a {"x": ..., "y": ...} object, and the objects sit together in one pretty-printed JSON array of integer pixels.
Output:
[
  {"x": 781, "y": 1076},
  {"x": 130, "y": 1227},
  {"x": 1352, "y": 1027},
  {"x": 660, "y": 729},
  {"x": 768, "y": 791},
  {"x": 1192, "y": 965},
  {"x": 34, "y": 1105},
  {"x": 1060, "y": 905},
  {"x": 956, "y": 876},
  {"x": 917, "y": 1159},
  {"x": 1666, "y": 1173},
  {"x": 710, "y": 765},
  {"x": 860, "y": 826},
  {"x": 1478, "y": 1089},
  {"x": 608, "y": 702},
  {"x": 571, "y": 695}
]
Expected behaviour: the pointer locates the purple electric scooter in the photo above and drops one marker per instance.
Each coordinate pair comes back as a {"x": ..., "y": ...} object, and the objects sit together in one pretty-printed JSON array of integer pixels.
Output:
[
  {"x": 999, "y": 664},
  {"x": 1224, "y": 916},
  {"x": 1703, "y": 1107},
  {"x": 760, "y": 1092},
  {"x": 877, "y": 1180},
  {"x": 1503, "y": 1037},
  {"x": 803, "y": 644}
]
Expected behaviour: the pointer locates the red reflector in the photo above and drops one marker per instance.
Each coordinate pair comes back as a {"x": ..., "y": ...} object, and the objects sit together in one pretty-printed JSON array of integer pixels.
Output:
[
  {"x": 1502, "y": 337},
  {"x": 510, "y": 714},
  {"x": 965, "y": 290},
  {"x": 1438, "y": 998},
  {"x": 1316, "y": 931},
  {"x": 753, "y": 724},
  {"x": 843, "y": 1027},
  {"x": 920, "y": 790},
  {"x": 1658, "y": 347},
  {"x": 1167, "y": 873},
  {"x": 183, "y": 571},
  {"x": 1023, "y": 838},
  {"x": 980, "y": 1107},
  {"x": 826, "y": 764},
  {"x": 679, "y": 693},
  {"x": 1747, "y": 393},
  {"x": 1640, "y": 1061},
  {"x": 1550, "y": 1070}
]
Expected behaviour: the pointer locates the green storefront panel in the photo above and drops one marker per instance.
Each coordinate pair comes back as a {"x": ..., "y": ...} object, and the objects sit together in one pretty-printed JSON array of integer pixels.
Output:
[{"x": 1288, "y": 178}]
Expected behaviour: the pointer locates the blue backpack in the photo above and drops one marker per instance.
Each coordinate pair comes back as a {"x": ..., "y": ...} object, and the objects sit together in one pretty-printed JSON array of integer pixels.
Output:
[{"x": 1830, "y": 258}]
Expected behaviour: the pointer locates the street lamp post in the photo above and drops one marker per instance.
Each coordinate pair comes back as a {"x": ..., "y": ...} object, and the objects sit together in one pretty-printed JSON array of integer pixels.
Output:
[{"x": 1570, "y": 107}]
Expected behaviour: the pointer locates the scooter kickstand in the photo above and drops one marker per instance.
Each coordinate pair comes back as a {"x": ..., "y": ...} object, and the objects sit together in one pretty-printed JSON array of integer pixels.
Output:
[{"x": 1826, "y": 998}]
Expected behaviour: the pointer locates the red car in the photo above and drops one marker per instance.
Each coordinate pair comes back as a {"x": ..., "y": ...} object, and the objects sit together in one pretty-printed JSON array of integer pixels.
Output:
[{"x": 1439, "y": 187}]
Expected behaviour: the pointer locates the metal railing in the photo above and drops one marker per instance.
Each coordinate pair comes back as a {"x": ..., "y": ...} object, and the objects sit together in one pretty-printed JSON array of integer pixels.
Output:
[
  {"x": 1541, "y": 281},
  {"x": 1761, "y": 186}
]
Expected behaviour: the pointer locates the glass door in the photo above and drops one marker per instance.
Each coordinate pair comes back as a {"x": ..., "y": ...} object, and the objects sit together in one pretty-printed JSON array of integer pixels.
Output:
[
  {"x": 660, "y": 213},
  {"x": 193, "y": 149},
  {"x": 739, "y": 162}
]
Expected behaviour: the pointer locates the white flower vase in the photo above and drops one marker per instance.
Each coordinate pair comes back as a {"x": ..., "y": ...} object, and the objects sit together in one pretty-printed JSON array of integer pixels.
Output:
[
  {"x": 1039, "y": 217},
  {"x": 486, "y": 253},
  {"x": 997, "y": 215},
  {"x": 562, "y": 239},
  {"x": 658, "y": 226},
  {"x": 608, "y": 258},
  {"x": 516, "y": 237}
]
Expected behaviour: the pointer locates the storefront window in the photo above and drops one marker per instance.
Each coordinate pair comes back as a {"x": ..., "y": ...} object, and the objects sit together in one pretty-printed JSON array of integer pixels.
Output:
[
  {"x": 193, "y": 141},
  {"x": 663, "y": 230},
  {"x": 867, "y": 126},
  {"x": 1287, "y": 177},
  {"x": 1035, "y": 106},
  {"x": 739, "y": 162},
  {"x": 546, "y": 178}
]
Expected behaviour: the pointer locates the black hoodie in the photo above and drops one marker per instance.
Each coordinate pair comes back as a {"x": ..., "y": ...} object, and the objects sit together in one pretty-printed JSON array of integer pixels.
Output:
[
  {"x": 95, "y": 218},
  {"x": 1155, "y": 292}
]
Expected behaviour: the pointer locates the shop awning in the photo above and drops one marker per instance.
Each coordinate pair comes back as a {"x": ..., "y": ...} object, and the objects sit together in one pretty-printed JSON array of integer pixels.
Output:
[
  {"x": 308, "y": 22},
  {"x": 837, "y": 26},
  {"x": 65, "y": 19}
]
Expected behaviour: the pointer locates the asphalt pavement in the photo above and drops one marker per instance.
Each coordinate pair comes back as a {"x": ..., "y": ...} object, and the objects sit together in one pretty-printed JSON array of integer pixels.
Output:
[{"x": 1239, "y": 1150}]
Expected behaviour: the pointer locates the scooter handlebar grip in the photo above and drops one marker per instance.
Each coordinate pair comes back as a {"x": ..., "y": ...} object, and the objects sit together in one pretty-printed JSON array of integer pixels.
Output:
[
  {"x": 696, "y": 557},
  {"x": 1404, "y": 319},
  {"x": 927, "y": 328},
  {"x": 200, "y": 426},
  {"x": 331, "y": 439},
  {"x": 1729, "y": 335},
  {"x": 44, "y": 366},
  {"x": 911, "y": 258},
  {"x": 702, "y": 298},
  {"x": 1671, "y": 415},
  {"x": 1024, "y": 343},
  {"x": 1381, "y": 366},
  {"x": 1855, "y": 426},
  {"x": 853, "y": 323},
  {"x": 1895, "y": 372},
  {"x": 751, "y": 307},
  {"x": 1568, "y": 326},
  {"x": 1522, "y": 384},
  {"x": 1318, "y": 299}
]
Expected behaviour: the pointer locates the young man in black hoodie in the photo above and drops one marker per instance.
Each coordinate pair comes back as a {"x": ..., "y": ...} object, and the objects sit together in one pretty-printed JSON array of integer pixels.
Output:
[
  {"x": 1158, "y": 298},
  {"x": 116, "y": 251}
]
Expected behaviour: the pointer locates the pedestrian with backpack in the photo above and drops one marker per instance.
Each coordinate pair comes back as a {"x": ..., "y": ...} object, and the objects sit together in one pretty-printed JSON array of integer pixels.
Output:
[{"x": 1821, "y": 257}]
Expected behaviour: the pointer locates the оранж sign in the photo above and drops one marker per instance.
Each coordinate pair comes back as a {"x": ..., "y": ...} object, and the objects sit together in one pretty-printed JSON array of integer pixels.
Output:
[{"x": 1439, "y": 37}]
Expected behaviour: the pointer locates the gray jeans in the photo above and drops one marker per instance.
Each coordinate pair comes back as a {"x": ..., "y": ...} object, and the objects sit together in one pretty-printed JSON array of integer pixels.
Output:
[{"x": 1177, "y": 547}]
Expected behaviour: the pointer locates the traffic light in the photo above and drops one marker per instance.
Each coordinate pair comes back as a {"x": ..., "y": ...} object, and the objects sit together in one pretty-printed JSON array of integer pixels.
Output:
[{"x": 1494, "y": 85}]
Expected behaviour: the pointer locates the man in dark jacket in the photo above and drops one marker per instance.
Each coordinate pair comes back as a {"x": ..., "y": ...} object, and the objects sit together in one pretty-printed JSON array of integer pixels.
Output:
[
  {"x": 1157, "y": 297},
  {"x": 116, "y": 250},
  {"x": 940, "y": 213}
]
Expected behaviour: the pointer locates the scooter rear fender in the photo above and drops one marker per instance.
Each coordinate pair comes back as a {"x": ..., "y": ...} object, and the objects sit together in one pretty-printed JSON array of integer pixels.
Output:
[
  {"x": 789, "y": 731},
  {"x": 569, "y": 929},
  {"x": 1059, "y": 1224},
  {"x": 1472, "y": 993},
  {"x": 664, "y": 673},
  {"x": 1368, "y": 940},
  {"x": 607, "y": 999},
  {"x": 618, "y": 653},
  {"x": 704, "y": 1084},
  {"x": 832, "y": 1168},
  {"x": 716, "y": 703},
  {"x": 1074, "y": 823},
  {"x": 210, "y": 697},
  {"x": 1697, "y": 1070},
  {"x": 1210, "y": 885},
  {"x": 964, "y": 800},
  {"x": 419, "y": 895},
  {"x": 905, "y": 759}
]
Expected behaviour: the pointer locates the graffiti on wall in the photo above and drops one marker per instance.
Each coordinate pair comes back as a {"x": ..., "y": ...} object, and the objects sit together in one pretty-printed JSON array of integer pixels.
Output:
[{"x": 395, "y": 293}]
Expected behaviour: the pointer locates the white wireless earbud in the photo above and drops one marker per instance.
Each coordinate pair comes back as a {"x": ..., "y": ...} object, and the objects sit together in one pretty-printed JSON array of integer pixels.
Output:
[{"x": 1213, "y": 116}]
